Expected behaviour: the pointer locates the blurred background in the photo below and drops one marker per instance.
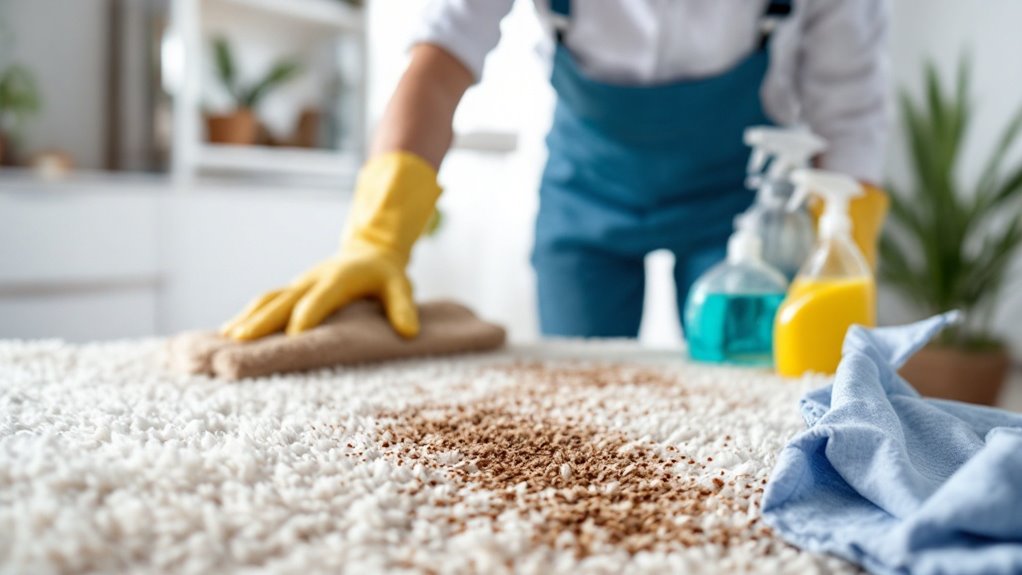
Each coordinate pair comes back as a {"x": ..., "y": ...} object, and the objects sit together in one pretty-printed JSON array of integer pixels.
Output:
[{"x": 166, "y": 160}]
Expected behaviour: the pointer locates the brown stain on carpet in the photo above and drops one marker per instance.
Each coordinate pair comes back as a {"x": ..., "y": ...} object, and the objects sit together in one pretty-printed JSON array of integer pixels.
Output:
[
  {"x": 598, "y": 375},
  {"x": 597, "y": 484}
]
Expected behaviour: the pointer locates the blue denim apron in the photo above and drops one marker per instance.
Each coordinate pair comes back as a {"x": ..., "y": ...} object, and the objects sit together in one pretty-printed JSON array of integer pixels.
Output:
[{"x": 633, "y": 169}]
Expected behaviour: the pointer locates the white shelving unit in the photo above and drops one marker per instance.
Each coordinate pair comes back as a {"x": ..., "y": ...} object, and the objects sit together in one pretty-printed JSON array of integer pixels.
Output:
[
  {"x": 312, "y": 21},
  {"x": 319, "y": 13},
  {"x": 280, "y": 161}
]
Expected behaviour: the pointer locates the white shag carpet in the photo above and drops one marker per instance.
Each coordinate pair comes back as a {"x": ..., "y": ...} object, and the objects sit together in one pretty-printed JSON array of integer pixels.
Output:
[{"x": 577, "y": 457}]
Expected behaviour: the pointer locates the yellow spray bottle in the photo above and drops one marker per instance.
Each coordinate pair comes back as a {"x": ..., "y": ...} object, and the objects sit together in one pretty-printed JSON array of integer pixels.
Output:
[{"x": 833, "y": 290}]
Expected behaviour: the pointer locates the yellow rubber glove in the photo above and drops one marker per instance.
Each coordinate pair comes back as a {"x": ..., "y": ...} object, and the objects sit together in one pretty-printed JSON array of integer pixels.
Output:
[
  {"x": 868, "y": 212},
  {"x": 394, "y": 200}
]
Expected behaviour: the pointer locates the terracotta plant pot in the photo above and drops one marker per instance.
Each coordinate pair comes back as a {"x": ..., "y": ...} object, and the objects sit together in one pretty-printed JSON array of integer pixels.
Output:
[
  {"x": 264, "y": 137},
  {"x": 952, "y": 373},
  {"x": 307, "y": 131},
  {"x": 240, "y": 127}
]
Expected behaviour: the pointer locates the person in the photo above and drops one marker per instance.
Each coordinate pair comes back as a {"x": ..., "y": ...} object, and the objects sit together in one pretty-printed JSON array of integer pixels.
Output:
[{"x": 645, "y": 147}]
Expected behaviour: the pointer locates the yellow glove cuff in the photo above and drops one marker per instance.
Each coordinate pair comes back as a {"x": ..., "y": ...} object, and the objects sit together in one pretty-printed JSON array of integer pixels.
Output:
[
  {"x": 868, "y": 213},
  {"x": 394, "y": 201}
]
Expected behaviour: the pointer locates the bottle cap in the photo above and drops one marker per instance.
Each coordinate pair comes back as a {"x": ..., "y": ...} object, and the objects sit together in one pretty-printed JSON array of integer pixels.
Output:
[{"x": 744, "y": 244}]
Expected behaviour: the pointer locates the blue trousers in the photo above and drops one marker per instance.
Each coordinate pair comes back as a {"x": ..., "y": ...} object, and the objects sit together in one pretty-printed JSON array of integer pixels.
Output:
[{"x": 595, "y": 293}]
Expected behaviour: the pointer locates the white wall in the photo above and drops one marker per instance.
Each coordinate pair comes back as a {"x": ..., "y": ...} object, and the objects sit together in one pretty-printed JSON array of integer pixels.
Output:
[{"x": 945, "y": 30}]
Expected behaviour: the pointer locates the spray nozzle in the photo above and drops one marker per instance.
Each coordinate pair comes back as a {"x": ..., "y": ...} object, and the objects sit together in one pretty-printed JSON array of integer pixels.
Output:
[
  {"x": 788, "y": 148},
  {"x": 837, "y": 192}
]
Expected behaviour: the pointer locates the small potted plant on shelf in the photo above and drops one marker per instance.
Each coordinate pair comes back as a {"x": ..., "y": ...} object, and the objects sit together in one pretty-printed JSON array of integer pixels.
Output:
[
  {"x": 240, "y": 126},
  {"x": 949, "y": 247},
  {"x": 19, "y": 100}
]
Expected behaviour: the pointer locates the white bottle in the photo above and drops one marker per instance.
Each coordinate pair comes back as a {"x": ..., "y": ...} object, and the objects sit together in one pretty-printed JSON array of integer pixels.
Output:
[{"x": 787, "y": 234}]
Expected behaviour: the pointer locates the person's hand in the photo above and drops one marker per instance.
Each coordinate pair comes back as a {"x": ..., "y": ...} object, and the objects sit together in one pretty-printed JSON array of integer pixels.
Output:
[
  {"x": 394, "y": 201},
  {"x": 326, "y": 288}
]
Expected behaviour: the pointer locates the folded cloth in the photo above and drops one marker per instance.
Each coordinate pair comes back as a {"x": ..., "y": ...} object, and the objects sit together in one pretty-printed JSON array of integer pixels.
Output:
[
  {"x": 895, "y": 482},
  {"x": 359, "y": 333}
]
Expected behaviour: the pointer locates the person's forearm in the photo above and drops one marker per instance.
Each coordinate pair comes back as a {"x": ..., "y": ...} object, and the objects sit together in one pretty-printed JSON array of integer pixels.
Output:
[{"x": 420, "y": 113}]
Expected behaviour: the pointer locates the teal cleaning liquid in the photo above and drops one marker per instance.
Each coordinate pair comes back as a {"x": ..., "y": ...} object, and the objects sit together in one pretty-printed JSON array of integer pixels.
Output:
[{"x": 734, "y": 328}]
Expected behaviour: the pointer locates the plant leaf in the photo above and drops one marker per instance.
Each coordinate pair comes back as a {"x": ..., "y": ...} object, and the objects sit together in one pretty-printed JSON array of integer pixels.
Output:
[
  {"x": 935, "y": 100},
  {"x": 279, "y": 74},
  {"x": 225, "y": 65},
  {"x": 931, "y": 198},
  {"x": 1009, "y": 190},
  {"x": 924, "y": 236},
  {"x": 959, "y": 112},
  {"x": 992, "y": 169},
  {"x": 903, "y": 213},
  {"x": 19, "y": 99},
  {"x": 987, "y": 272},
  {"x": 896, "y": 270},
  {"x": 19, "y": 93},
  {"x": 919, "y": 141}
]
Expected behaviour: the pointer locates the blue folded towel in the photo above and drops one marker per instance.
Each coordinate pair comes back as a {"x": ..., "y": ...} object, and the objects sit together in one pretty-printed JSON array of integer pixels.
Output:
[{"x": 895, "y": 482}]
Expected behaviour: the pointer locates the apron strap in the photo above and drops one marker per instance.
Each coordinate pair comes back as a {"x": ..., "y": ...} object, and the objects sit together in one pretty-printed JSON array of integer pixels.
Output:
[
  {"x": 560, "y": 15},
  {"x": 775, "y": 11}
]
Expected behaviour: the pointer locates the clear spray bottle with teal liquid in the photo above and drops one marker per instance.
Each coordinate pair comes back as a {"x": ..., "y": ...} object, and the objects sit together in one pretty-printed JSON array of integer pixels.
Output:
[
  {"x": 729, "y": 313},
  {"x": 787, "y": 233}
]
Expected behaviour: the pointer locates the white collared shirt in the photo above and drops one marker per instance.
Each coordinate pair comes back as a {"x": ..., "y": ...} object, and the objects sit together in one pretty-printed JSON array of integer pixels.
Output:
[{"x": 827, "y": 58}]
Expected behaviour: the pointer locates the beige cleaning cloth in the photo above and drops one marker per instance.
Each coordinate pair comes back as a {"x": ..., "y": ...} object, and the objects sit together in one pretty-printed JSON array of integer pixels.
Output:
[{"x": 359, "y": 333}]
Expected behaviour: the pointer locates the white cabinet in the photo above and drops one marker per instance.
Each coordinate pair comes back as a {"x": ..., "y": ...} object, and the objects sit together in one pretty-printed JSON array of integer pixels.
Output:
[
  {"x": 128, "y": 257},
  {"x": 70, "y": 235},
  {"x": 78, "y": 260},
  {"x": 80, "y": 315}
]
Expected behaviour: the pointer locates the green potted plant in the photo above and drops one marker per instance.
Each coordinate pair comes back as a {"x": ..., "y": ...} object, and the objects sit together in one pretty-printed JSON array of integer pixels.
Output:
[
  {"x": 19, "y": 100},
  {"x": 949, "y": 247},
  {"x": 240, "y": 125}
]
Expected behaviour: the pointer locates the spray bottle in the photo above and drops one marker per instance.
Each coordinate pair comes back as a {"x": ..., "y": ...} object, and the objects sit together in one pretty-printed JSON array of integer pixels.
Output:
[
  {"x": 833, "y": 290},
  {"x": 787, "y": 234},
  {"x": 729, "y": 314}
]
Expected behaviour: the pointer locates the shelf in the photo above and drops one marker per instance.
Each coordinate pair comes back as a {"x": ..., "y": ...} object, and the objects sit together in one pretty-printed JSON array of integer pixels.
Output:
[
  {"x": 488, "y": 142},
  {"x": 300, "y": 162},
  {"x": 311, "y": 163},
  {"x": 329, "y": 13}
]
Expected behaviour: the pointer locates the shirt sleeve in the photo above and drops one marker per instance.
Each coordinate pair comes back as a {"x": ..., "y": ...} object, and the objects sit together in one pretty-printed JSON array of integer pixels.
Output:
[
  {"x": 468, "y": 29},
  {"x": 842, "y": 82}
]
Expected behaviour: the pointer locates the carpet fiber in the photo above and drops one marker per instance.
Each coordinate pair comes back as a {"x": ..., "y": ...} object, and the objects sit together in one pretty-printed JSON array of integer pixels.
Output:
[{"x": 580, "y": 457}]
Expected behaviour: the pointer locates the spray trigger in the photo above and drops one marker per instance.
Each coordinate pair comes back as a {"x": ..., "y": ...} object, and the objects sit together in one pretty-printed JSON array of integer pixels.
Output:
[
  {"x": 836, "y": 190},
  {"x": 787, "y": 149},
  {"x": 757, "y": 159},
  {"x": 796, "y": 199}
]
